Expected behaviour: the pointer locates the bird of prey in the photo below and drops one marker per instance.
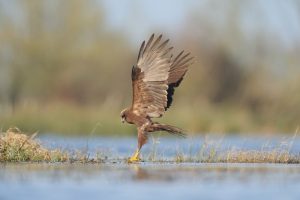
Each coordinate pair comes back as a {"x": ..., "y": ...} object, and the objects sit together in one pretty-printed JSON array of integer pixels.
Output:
[{"x": 154, "y": 78}]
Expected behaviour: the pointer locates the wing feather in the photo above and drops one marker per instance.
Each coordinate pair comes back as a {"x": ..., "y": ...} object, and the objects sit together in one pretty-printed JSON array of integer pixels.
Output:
[
  {"x": 148, "y": 43},
  {"x": 141, "y": 49},
  {"x": 150, "y": 82},
  {"x": 155, "y": 77},
  {"x": 178, "y": 69}
]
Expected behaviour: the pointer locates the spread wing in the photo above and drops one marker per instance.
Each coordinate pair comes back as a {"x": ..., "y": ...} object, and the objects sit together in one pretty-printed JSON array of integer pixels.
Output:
[
  {"x": 178, "y": 68},
  {"x": 150, "y": 78}
]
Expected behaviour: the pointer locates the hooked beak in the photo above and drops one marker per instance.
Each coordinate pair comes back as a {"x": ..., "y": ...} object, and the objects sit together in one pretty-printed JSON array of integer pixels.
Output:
[{"x": 123, "y": 120}]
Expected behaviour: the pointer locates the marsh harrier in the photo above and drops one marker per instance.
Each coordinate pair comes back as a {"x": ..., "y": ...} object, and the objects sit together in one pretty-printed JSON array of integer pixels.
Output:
[{"x": 154, "y": 79}]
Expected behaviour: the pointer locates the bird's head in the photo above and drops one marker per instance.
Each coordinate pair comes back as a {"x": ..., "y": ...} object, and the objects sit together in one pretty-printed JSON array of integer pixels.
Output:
[{"x": 123, "y": 115}]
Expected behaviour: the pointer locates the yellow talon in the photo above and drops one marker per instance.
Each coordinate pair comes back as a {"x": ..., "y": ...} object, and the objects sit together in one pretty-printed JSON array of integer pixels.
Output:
[{"x": 135, "y": 157}]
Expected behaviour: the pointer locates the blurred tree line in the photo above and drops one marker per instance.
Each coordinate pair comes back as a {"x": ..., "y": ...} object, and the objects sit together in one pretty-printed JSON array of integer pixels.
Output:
[
  {"x": 61, "y": 52},
  {"x": 250, "y": 71}
]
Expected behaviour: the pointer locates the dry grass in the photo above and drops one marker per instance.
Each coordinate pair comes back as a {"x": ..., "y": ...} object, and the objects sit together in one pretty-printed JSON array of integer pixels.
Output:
[
  {"x": 211, "y": 152},
  {"x": 15, "y": 146},
  {"x": 241, "y": 156},
  {"x": 274, "y": 156}
]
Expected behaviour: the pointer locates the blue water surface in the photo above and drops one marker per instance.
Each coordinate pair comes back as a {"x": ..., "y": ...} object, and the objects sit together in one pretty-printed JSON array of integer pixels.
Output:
[{"x": 119, "y": 180}]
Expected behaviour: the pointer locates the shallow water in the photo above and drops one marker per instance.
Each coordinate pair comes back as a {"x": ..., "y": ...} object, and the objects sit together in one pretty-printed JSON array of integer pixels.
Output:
[
  {"x": 118, "y": 180},
  {"x": 149, "y": 181},
  {"x": 168, "y": 147}
]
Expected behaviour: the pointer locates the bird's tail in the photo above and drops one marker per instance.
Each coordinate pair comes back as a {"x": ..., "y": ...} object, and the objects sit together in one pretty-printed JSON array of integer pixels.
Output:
[{"x": 168, "y": 128}]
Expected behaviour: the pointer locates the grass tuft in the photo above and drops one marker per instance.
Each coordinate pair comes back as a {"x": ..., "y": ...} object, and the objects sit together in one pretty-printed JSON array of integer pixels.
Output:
[{"x": 16, "y": 146}]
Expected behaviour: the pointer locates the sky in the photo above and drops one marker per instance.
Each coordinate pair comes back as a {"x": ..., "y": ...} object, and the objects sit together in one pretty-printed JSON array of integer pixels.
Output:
[
  {"x": 137, "y": 18},
  {"x": 164, "y": 16}
]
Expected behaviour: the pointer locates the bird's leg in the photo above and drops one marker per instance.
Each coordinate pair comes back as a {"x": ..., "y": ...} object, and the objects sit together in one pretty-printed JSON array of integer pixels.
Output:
[
  {"x": 135, "y": 157},
  {"x": 142, "y": 139}
]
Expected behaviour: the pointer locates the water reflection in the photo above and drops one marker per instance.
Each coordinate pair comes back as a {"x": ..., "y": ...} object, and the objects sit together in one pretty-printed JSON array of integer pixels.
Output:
[
  {"x": 143, "y": 174},
  {"x": 215, "y": 173},
  {"x": 133, "y": 181},
  {"x": 150, "y": 172}
]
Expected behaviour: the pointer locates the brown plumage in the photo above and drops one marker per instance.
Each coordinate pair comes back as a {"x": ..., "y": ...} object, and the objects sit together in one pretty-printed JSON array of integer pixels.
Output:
[{"x": 154, "y": 79}]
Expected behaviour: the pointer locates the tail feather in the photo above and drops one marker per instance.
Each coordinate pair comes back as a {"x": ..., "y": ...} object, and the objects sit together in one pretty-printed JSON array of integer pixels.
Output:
[{"x": 168, "y": 128}]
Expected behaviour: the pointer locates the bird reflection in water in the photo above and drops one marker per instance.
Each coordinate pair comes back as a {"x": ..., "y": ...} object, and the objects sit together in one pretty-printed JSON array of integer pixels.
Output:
[{"x": 141, "y": 174}]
